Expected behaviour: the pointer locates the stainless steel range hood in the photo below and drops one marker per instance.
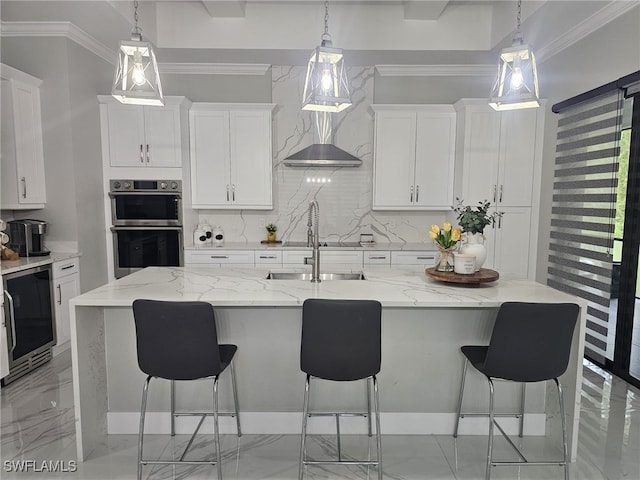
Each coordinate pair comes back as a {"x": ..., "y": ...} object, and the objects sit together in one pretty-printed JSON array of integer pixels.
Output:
[{"x": 322, "y": 155}]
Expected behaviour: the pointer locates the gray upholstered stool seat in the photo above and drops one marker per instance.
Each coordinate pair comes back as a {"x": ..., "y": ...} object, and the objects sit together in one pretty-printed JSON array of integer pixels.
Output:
[
  {"x": 179, "y": 341},
  {"x": 530, "y": 342}
]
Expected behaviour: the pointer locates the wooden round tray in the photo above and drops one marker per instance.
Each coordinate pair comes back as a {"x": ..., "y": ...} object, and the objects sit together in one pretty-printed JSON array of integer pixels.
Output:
[{"x": 481, "y": 276}]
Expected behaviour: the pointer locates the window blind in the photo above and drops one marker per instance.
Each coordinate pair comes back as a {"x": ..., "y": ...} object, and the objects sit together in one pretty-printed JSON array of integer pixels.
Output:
[{"x": 584, "y": 208}]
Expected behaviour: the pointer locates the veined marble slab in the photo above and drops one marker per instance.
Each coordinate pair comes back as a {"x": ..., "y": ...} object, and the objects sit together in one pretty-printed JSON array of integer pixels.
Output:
[{"x": 249, "y": 287}]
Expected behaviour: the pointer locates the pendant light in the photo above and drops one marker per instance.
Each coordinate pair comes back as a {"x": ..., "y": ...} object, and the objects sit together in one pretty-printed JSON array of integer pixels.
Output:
[
  {"x": 516, "y": 85},
  {"x": 137, "y": 80},
  {"x": 326, "y": 86}
]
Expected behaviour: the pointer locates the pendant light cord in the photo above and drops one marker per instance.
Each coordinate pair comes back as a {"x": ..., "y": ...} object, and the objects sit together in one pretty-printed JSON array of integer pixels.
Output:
[
  {"x": 137, "y": 31},
  {"x": 517, "y": 39},
  {"x": 326, "y": 38}
]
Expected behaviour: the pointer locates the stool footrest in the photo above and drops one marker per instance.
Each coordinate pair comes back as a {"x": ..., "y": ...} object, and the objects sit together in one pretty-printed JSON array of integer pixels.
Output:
[
  {"x": 340, "y": 462},
  {"x": 178, "y": 462},
  {"x": 329, "y": 414},
  {"x": 518, "y": 464},
  {"x": 473, "y": 414},
  {"x": 200, "y": 414}
]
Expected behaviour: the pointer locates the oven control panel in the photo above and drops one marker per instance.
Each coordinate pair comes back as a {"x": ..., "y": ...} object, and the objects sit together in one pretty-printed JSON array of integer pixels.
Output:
[{"x": 145, "y": 185}]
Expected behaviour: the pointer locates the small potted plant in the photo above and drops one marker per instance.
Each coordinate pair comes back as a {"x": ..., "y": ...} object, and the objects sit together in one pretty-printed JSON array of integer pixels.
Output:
[
  {"x": 473, "y": 220},
  {"x": 271, "y": 232}
]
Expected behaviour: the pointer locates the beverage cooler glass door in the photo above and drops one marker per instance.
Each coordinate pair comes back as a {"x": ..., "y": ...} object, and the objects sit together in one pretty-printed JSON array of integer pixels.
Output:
[
  {"x": 28, "y": 312},
  {"x": 137, "y": 248}
]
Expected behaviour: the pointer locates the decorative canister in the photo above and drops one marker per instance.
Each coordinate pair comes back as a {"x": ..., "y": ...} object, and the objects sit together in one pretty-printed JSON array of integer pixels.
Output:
[
  {"x": 208, "y": 232},
  {"x": 474, "y": 246},
  {"x": 199, "y": 236},
  {"x": 464, "y": 264},
  {"x": 218, "y": 236}
]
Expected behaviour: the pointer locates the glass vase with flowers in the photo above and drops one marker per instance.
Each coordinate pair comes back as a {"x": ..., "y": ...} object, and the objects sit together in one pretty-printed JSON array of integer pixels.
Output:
[{"x": 445, "y": 239}]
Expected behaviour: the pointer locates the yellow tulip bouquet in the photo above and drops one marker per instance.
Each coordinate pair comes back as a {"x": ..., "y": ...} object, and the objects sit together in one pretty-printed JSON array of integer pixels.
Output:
[{"x": 445, "y": 239}]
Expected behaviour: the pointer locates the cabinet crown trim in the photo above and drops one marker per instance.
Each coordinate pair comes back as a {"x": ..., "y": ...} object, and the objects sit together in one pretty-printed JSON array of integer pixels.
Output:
[{"x": 10, "y": 73}]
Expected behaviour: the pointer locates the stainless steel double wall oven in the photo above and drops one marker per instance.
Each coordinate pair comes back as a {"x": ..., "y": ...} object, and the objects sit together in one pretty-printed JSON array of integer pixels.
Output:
[{"x": 146, "y": 224}]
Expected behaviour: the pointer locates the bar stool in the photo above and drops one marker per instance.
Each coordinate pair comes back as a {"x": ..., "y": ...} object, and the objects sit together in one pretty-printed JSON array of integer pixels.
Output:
[
  {"x": 530, "y": 342},
  {"x": 341, "y": 341},
  {"x": 178, "y": 341}
]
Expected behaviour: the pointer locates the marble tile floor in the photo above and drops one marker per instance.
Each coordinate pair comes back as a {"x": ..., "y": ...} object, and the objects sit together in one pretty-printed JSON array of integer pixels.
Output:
[{"x": 37, "y": 424}]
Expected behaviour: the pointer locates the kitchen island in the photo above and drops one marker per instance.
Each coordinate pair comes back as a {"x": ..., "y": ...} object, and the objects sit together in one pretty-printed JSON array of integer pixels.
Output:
[{"x": 424, "y": 324}]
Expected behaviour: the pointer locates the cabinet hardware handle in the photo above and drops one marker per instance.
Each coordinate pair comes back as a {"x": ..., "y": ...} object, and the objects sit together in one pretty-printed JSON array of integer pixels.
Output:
[
  {"x": 425, "y": 258},
  {"x": 227, "y": 192},
  {"x": 494, "y": 194},
  {"x": 141, "y": 154},
  {"x": 381, "y": 257},
  {"x": 67, "y": 267},
  {"x": 268, "y": 256},
  {"x": 12, "y": 318},
  {"x": 500, "y": 221},
  {"x": 417, "y": 192},
  {"x": 411, "y": 194},
  {"x": 233, "y": 192},
  {"x": 148, "y": 154},
  {"x": 59, "y": 295},
  {"x": 24, "y": 187},
  {"x": 219, "y": 256},
  {"x": 500, "y": 193}
]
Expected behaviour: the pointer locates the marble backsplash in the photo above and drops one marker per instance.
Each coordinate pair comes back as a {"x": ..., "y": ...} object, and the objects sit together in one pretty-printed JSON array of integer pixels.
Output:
[{"x": 343, "y": 194}]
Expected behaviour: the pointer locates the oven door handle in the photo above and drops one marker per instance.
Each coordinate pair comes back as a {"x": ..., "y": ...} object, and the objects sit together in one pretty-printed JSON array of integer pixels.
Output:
[
  {"x": 144, "y": 227},
  {"x": 12, "y": 319},
  {"x": 158, "y": 192}
]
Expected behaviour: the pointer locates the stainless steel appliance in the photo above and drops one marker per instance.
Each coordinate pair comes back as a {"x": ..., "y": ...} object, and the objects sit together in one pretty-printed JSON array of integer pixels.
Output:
[
  {"x": 147, "y": 224},
  {"x": 29, "y": 319},
  {"x": 27, "y": 237}
]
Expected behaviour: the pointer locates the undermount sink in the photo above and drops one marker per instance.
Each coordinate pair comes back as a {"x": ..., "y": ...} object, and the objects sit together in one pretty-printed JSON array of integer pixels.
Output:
[
  {"x": 322, "y": 244},
  {"x": 307, "y": 276}
]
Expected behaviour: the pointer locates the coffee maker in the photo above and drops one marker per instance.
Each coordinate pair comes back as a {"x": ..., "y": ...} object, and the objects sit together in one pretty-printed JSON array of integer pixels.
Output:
[{"x": 27, "y": 237}]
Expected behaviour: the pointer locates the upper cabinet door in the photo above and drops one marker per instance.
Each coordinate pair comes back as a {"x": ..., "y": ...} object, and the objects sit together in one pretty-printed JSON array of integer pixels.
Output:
[
  {"x": 209, "y": 133},
  {"x": 23, "y": 176},
  {"x": 518, "y": 133},
  {"x": 162, "y": 136},
  {"x": 250, "y": 158},
  {"x": 435, "y": 148},
  {"x": 480, "y": 155},
  {"x": 394, "y": 160},
  {"x": 126, "y": 135}
]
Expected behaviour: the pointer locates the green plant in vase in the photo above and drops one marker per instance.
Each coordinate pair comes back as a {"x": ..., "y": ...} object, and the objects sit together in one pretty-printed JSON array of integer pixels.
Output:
[
  {"x": 472, "y": 221},
  {"x": 271, "y": 232}
]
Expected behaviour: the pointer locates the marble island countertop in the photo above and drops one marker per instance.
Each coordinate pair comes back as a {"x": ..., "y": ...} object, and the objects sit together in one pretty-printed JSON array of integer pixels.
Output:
[{"x": 249, "y": 288}]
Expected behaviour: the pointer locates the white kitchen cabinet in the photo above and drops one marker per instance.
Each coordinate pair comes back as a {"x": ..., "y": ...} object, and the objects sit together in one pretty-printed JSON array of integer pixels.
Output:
[
  {"x": 66, "y": 285},
  {"x": 413, "y": 157},
  {"x": 23, "y": 176},
  {"x": 508, "y": 243},
  {"x": 231, "y": 156},
  {"x": 413, "y": 259},
  {"x": 145, "y": 136},
  {"x": 498, "y": 154},
  {"x": 219, "y": 258}
]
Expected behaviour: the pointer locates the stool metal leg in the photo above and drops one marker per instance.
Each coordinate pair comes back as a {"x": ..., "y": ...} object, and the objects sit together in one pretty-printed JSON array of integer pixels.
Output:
[
  {"x": 369, "y": 419},
  {"x": 378, "y": 431},
  {"x": 522, "y": 399},
  {"x": 235, "y": 397},
  {"x": 305, "y": 409},
  {"x": 173, "y": 408},
  {"x": 565, "y": 446},
  {"x": 143, "y": 411},
  {"x": 459, "y": 410},
  {"x": 338, "y": 437},
  {"x": 491, "y": 420},
  {"x": 216, "y": 431}
]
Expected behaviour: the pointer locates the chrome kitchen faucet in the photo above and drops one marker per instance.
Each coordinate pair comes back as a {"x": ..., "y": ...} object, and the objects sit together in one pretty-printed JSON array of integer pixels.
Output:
[{"x": 313, "y": 240}]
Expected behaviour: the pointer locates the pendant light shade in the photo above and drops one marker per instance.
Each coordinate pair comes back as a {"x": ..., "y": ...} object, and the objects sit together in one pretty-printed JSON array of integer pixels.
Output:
[
  {"x": 516, "y": 85},
  {"x": 137, "y": 80},
  {"x": 326, "y": 86}
]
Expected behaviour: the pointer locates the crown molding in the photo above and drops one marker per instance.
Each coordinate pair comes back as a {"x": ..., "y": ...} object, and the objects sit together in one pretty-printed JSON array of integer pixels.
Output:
[
  {"x": 606, "y": 14},
  {"x": 436, "y": 70},
  {"x": 59, "y": 29},
  {"x": 214, "y": 68}
]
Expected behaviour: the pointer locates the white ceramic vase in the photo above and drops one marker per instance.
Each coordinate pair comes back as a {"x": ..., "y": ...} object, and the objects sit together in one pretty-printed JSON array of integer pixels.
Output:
[{"x": 474, "y": 245}]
